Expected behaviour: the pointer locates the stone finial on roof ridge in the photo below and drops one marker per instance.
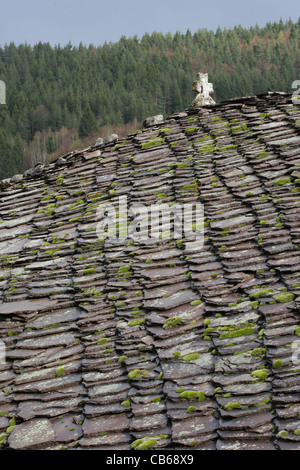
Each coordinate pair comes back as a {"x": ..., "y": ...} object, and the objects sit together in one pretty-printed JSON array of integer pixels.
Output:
[
  {"x": 203, "y": 88},
  {"x": 99, "y": 142},
  {"x": 151, "y": 121},
  {"x": 111, "y": 139}
]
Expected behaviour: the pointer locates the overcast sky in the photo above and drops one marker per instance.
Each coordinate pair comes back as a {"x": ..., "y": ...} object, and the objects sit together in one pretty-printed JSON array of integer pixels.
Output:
[{"x": 99, "y": 21}]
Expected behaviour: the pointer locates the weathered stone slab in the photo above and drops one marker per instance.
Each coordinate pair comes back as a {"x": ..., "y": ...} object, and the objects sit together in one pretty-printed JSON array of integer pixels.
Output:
[
  {"x": 26, "y": 306},
  {"x": 191, "y": 427},
  {"x": 106, "y": 424},
  {"x": 33, "y": 434},
  {"x": 63, "y": 339}
]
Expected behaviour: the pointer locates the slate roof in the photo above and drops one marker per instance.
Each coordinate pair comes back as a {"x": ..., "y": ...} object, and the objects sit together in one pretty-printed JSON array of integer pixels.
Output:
[{"x": 79, "y": 371}]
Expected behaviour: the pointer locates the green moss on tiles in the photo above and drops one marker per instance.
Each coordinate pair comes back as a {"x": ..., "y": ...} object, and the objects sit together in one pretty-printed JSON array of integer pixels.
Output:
[
  {"x": 232, "y": 405},
  {"x": 196, "y": 302},
  {"x": 137, "y": 374},
  {"x": 126, "y": 403},
  {"x": 89, "y": 271},
  {"x": 261, "y": 333},
  {"x": 296, "y": 189},
  {"x": 264, "y": 115},
  {"x": 124, "y": 269},
  {"x": 284, "y": 297},
  {"x": 152, "y": 143},
  {"x": 238, "y": 331},
  {"x": 164, "y": 129},
  {"x": 282, "y": 434},
  {"x": 12, "y": 333},
  {"x": 51, "y": 252},
  {"x": 297, "y": 432},
  {"x": 207, "y": 149},
  {"x": 190, "y": 357},
  {"x": 262, "y": 155},
  {"x": 193, "y": 395},
  {"x": 120, "y": 304},
  {"x": 161, "y": 196},
  {"x": 260, "y": 374},
  {"x": 144, "y": 444},
  {"x": 122, "y": 359},
  {"x": 137, "y": 322},
  {"x": 261, "y": 293},
  {"x": 182, "y": 165},
  {"x": 3, "y": 438},
  {"x": 263, "y": 403},
  {"x": 108, "y": 351},
  {"x": 191, "y": 409},
  {"x": 102, "y": 341},
  {"x": 171, "y": 322},
  {"x": 208, "y": 330},
  {"x": 10, "y": 429},
  {"x": 297, "y": 331},
  {"x": 190, "y": 187},
  {"x": 228, "y": 147},
  {"x": 59, "y": 372},
  {"x": 100, "y": 332},
  {"x": 277, "y": 364},
  {"x": 282, "y": 181},
  {"x": 156, "y": 400}
]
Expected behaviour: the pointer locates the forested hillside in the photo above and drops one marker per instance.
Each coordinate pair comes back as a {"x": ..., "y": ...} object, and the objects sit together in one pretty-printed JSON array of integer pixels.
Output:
[{"x": 59, "y": 98}]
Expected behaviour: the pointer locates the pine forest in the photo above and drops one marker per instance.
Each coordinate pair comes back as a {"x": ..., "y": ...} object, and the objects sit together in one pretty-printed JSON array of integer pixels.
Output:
[{"x": 60, "y": 99}]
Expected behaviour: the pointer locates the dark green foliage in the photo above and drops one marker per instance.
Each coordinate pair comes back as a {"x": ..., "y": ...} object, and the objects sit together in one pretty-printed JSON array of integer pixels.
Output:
[
  {"x": 50, "y": 144},
  {"x": 11, "y": 154},
  {"x": 86, "y": 87},
  {"x": 88, "y": 124}
]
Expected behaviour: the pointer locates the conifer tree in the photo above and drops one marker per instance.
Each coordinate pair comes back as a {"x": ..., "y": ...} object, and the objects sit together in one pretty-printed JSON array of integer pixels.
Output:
[
  {"x": 50, "y": 144},
  {"x": 88, "y": 124}
]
